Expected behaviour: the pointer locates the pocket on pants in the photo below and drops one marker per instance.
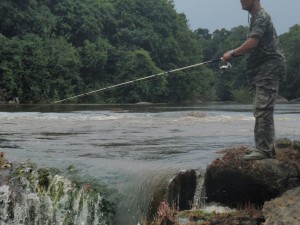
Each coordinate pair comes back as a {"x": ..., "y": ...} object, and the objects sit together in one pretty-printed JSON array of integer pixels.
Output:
[{"x": 264, "y": 100}]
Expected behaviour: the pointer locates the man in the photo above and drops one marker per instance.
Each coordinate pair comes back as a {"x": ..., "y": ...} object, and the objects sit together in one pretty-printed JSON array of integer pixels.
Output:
[{"x": 265, "y": 69}]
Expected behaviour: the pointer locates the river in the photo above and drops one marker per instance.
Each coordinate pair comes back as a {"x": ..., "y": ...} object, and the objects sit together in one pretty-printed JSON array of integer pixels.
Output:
[{"x": 130, "y": 147}]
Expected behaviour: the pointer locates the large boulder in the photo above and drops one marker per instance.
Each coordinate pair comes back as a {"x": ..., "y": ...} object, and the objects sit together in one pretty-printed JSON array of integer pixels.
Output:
[
  {"x": 261, "y": 192},
  {"x": 236, "y": 183},
  {"x": 284, "y": 209}
]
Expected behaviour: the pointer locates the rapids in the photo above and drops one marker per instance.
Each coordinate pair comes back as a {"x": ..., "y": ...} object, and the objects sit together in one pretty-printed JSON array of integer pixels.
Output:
[{"x": 132, "y": 148}]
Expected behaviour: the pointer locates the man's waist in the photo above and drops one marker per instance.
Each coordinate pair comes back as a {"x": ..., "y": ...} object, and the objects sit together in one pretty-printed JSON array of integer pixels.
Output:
[{"x": 274, "y": 61}]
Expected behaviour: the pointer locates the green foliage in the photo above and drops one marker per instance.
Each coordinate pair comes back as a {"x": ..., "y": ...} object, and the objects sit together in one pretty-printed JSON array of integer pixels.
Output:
[
  {"x": 20, "y": 17},
  {"x": 228, "y": 83},
  {"x": 291, "y": 45},
  {"x": 51, "y": 50},
  {"x": 78, "y": 21},
  {"x": 242, "y": 95},
  {"x": 135, "y": 65},
  {"x": 38, "y": 69}
]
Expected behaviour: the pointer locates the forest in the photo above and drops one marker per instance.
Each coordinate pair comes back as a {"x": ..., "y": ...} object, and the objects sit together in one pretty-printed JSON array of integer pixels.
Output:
[{"x": 55, "y": 49}]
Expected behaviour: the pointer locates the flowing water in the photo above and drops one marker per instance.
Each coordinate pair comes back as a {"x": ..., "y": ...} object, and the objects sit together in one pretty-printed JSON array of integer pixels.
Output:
[{"x": 132, "y": 148}]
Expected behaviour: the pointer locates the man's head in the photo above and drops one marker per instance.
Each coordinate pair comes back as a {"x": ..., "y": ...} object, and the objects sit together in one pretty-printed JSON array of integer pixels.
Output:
[{"x": 251, "y": 6}]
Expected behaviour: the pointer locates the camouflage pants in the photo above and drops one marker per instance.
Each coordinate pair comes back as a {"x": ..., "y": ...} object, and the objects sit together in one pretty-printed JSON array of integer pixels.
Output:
[{"x": 263, "y": 110}]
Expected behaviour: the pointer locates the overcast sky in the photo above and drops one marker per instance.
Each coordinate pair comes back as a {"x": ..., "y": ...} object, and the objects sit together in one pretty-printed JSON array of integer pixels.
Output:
[{"x": 217, "y": 14}]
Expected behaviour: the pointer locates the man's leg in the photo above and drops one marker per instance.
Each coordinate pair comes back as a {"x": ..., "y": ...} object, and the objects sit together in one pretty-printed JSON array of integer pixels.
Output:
[{"x": 263, "y": 110}]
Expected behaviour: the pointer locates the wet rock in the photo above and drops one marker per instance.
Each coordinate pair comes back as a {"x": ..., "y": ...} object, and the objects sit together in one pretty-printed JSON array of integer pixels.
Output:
[
  {"x": 176, "y": 190},
  {"x": 283, "y": 210},
  {"x": 236, "y": 183},
  {"x": 181, "y": 189},
  {"x": 250, "y": 186}
]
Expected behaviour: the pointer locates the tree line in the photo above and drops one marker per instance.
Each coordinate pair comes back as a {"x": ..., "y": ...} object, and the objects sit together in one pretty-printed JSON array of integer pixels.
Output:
[{"x": 55, "y": 49}]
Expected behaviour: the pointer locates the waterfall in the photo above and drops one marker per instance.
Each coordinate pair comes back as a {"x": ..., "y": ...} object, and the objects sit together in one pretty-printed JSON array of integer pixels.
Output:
[
  {"x": 31, "y": 196},
  {"x": 186, "y": 190},
  {"x": 45, "y": 197}
]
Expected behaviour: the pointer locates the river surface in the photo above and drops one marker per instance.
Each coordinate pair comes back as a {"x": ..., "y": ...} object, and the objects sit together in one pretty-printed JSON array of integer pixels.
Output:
[{"x": 127, "y": 146}]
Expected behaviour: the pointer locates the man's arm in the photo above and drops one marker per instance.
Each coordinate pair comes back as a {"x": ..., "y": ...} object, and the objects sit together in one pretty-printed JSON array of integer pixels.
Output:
[{"x": 249, "y": 44}]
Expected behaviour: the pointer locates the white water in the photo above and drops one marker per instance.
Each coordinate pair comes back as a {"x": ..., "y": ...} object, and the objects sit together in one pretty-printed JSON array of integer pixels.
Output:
[
  {"x": 133, "y": 148},
  {"x": 25, "y": 203}
]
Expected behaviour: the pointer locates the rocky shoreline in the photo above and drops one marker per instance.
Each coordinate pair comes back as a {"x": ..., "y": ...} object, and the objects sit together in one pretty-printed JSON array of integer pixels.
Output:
[{"x": 262, "y": 192}]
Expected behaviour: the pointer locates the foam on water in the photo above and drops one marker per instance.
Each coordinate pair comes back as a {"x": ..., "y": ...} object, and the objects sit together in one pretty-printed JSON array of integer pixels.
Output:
[{"x": 57, "y": 117}]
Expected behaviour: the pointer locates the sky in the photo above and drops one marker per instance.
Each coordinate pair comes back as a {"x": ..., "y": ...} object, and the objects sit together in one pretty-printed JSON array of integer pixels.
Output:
[{"x": 218, "y": 14}]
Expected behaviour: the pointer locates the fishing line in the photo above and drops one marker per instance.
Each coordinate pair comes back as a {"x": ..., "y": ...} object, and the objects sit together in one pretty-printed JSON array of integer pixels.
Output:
[
  {"x": 137, "y": 80},
  {"x": 222, "y": 68}
]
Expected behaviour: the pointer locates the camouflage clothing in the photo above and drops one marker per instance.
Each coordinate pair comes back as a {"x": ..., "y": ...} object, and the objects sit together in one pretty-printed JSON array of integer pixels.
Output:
[
  {"x": 266, "y": 68},
  {"x": 266, "y": 61},
  {"x": 263, "y": 110}
]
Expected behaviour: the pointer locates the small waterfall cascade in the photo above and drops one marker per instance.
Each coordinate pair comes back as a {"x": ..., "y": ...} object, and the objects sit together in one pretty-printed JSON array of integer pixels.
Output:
[
  {"x": 200, "y": 194},
  {"x": 186, "y": 190},
  {"x": 30, "y": 196},
  {"x": 183, "y": 190}
]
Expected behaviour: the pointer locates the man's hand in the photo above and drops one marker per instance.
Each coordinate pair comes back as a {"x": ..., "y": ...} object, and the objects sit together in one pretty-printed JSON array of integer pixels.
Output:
[{"x": 228, "y": 56}]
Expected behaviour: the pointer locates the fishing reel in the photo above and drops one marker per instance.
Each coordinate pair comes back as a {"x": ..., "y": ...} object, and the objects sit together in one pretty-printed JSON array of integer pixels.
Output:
[{"x": 225, "y": 67}]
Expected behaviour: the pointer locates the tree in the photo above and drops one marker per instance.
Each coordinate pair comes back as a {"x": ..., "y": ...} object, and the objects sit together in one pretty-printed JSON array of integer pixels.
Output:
[
  {"x": 53, "y": 49},
  {"x": 20, "y": 17},
  {"x": 78, "y": 21},
  {"x": 36, "y": 69},
  {"x": 94, "y": 58},
  {"x": 135, "y": 65},
  {"x": 291, "y": 46}
]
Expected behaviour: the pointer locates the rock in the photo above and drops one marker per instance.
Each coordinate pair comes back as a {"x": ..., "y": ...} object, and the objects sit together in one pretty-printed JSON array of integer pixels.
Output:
[
  {"x": 283, "y": 210},
  {"x": 144, "y": 103},
  {"x": 281, "y": 99},
  {"x": 236, "y": 183},
  {"x": 181, "y": 189},
  {"x": 265, "y": 192},
  {"x": 287, "y": 149},
  {"x": 283, "y": 143},
  {"x": 15, "y": 100},
  {"x": 175, "y": 190}
]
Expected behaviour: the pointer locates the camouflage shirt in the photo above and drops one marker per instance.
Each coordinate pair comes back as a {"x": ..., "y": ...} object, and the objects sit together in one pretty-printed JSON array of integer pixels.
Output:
[{"x": 266, "y": 61}]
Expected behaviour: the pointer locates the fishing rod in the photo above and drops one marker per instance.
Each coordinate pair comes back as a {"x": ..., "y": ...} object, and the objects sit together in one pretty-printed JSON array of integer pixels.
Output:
[{"x": 222, "y": 68}]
